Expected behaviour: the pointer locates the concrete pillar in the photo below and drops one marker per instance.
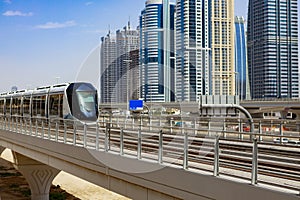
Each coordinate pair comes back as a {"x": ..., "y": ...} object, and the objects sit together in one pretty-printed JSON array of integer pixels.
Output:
[{"x": 38, "y": 175}]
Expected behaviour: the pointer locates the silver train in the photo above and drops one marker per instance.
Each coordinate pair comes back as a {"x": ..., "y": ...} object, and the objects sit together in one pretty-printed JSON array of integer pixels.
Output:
[{"x": 76, "y": 101}]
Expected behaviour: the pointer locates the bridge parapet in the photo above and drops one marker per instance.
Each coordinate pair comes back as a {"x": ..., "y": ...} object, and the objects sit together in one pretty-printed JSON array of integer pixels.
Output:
[{"x": 98, "y": 152}]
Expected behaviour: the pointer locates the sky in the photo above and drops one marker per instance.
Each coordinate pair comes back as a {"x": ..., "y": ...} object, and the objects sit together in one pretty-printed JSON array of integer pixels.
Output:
[{"x": 45, "y": 42}]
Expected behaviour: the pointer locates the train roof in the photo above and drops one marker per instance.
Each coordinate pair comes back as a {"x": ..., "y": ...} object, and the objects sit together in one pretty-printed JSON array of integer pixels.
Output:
[{"x": 39, "y": 90}]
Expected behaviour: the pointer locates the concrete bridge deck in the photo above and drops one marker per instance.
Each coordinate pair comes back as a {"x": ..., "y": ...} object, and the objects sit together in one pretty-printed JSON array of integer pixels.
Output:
[{"x": 41, "y": 159}]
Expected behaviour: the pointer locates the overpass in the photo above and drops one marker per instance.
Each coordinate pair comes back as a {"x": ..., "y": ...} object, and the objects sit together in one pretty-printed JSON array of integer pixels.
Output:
[{"x": 41, "y": 150}]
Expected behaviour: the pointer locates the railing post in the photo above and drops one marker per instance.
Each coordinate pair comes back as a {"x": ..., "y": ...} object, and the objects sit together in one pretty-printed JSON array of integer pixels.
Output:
[
  {"x": 281, "y": 132},
  {"x": 97, "y": 136},
  {"x": 118, "y": 119},
  {"x": 21, "y": 125},
  {"x": 84, "y": 135},
  {"x": 150, "y": 123},
  {"x": 36, "y": 128},
  {"x": 49, "y": 129},
  {"x": 25, "y": 125},
  {"x": 139, "y": 153},
  {"x": 195, "y": 127},
  {"x": 260, "y": 131},
  {"x": 133, "y": 122},
  {"x": 106, "y": 141},
  {"x": 171, "y": 126},
  {"x": 217, "y": 156},
  {"x": 9, "y": 124},
  {"x": 254, "y": 162},
  {"x": 159, "y": 121},
  {"x": 241, "y": 130},
  {"x": 56, "y": 131},
  {"x": 43, "y": 129},
  {"x": 30, "y": 127},
  {"x": 13, "y": 127},
  {"x": 224, "y": 129},
  {"x": 121, "y": 141},
  {"x": 125, "y": 119},
  {"x": 65, "y": 132},
  {"x": 182, "y": 127},
  {"x": 209, "y": 127},
  {"x": 74, "y": 133},
  {"x": 185, "y": 151},
  {"x": 160, "y": 147}
]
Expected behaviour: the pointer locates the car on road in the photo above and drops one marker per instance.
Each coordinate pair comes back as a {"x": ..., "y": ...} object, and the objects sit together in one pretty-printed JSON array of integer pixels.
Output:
[{"x": 284, "y": 140}]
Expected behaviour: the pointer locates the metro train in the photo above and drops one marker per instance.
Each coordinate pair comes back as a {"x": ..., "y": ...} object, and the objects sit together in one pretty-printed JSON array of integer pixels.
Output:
[{"x": 77, "y": 101}]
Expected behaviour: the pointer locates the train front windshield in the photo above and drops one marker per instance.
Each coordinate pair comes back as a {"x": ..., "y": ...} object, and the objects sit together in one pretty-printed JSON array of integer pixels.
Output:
[{"x": 83, "y": 101}]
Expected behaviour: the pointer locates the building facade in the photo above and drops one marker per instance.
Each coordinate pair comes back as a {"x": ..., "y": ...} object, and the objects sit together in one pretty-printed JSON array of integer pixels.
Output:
[
  {"x": 127, "y": 40},
  {"x": 157, "y": 51},
  {"x": 273, "y": 49},
  {"x": 222, "y": 44},
  {"x": 205, "y": 62},
  {"x": 241, "y": 64},
  {"x": 193, "y": 49},
  {"x": 108, "y": 69}
]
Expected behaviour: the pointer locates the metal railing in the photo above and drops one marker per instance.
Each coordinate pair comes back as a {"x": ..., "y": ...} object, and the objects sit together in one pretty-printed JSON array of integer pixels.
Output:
[{"x": 208, "y": 145}]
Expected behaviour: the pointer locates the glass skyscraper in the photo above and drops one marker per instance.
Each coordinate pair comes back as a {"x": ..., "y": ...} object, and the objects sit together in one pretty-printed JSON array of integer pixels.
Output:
[
  {"x": 193, "y": 49},
  {"x": 204, "y": 48},
  {"x": 241, "y": 65},
  {"x": 157, "y": 51},
  {"x": 108, "y": 69},
  {"x": 127, "y": 40},
  {"x": 273, "y": 48}
]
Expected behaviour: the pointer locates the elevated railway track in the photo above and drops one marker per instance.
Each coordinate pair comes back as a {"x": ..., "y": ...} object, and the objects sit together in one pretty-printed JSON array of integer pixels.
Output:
[{"x": 204, "y": 147}]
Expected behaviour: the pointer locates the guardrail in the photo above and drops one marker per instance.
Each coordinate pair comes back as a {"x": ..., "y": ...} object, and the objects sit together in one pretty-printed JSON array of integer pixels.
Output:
[{"x": 204, "y": 145}]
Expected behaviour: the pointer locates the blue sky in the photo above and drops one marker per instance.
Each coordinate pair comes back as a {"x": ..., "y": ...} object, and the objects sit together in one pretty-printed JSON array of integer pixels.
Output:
[{"x": 42, "y": 39}]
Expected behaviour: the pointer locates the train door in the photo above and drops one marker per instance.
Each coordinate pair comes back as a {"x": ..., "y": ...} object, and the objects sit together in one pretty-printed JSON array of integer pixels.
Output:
[
  {"x": 39, "y": 106},
  {"x": 26, "y": 106},
  {"x": 55, "y": 107}
]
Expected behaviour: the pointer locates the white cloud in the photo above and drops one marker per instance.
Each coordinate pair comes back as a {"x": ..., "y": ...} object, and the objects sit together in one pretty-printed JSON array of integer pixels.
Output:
[
  {"x": 11, "y": 13},
  {"x": 89, "y": 3},
  {"x": 7, "y": 1},
  {"x": 55, "y": 25}
]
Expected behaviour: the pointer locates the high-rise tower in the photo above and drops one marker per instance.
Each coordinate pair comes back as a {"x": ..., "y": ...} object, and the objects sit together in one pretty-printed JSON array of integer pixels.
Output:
[
  {"x": 157, "y": 51},
  {"x": 204, "y": 48},
  {"x": 273, "y": 48},
  {"x": 241, "y": 65},
  {"x": 222, "y": 44},
  {"x": 127, "y": 40},
  {"x": 108, "y": 69},
  {"x": 193, "y": 47}
]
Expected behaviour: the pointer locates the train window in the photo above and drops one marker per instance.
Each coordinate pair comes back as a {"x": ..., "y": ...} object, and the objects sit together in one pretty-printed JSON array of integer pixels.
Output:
[
  {"x": 1, "y": 106},
  {"x": 7, "y": 106},
  {"x": 42, "y": 105},
  {"x": 26, "y": 105},
  {"x": 38, "y": 105},
  {"x": 55, "y": 104},
  {"x": 16, "y": 106}
]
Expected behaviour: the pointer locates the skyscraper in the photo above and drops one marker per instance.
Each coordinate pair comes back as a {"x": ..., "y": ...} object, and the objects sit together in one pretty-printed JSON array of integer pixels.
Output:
[
  {"x": 117, "y": 63},
  {"x": 108, "y": 69},
  {"x": 157, "y": 51},
  {"x": 193, "y": 49},
  {"x": 273, "y": 48},
  {"x": 127, "y": 40},
  {"x": 241, "y": 65},
  {"x": 204, "y": 48},
  {"x": 222, "y": 44}
]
